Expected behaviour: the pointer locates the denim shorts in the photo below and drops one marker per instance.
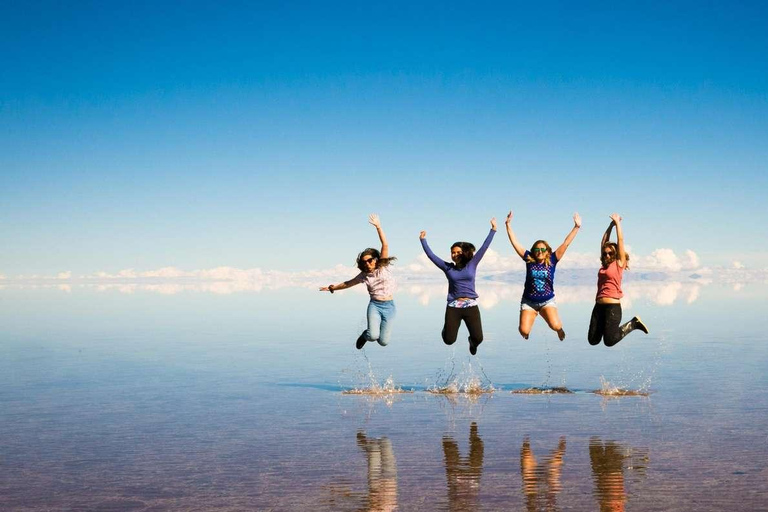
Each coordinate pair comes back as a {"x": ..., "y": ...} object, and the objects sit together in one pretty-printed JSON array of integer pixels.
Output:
[{"x": 536, "y": 306}]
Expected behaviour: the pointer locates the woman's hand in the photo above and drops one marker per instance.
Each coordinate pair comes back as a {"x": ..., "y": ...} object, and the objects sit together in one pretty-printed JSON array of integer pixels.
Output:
[
  {"x": 577, "y": 220},
  {"x": 422, "y": 235},
  {"x": 374, "y": 219},
  {"x": 616, "y": 218},
  {"x": 509, "y": 218},
  {"x": 493, "y": 223}
]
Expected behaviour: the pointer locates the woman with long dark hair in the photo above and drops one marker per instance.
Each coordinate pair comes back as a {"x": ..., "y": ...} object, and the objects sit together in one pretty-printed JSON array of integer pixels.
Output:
[
  {"x": 539, "y": 291},
  {"x": 462, "y": 297},
  {"x": 606, "y": 315},
  {"x": 377, "y": 276}
]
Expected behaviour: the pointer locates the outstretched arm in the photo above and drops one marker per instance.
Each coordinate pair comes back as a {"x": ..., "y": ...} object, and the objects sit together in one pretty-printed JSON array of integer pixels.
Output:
[
  {"x": 487, "y": 243},
  {"x": 606, "y": 236},
  {"x": 560, "y": 252},
  {"x": 334, "y": 287},
  {"x": 374, "y": 219},
  {"x": 519, "y": 249},
  {"x": 442, "y": 265},
  {"x": 622, "y": 256}
]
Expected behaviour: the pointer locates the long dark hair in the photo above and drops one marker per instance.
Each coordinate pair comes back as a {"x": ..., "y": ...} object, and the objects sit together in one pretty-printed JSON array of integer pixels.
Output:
[
  {"x": 605, "y": 260},
  {"x": 380, "y": 262},
  {"x": 467, "y": 253}
]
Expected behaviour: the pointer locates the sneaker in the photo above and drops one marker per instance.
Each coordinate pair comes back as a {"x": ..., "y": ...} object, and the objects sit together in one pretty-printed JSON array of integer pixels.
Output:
[
  {"x": 561, "y": 334},
  {"x": 638, "y": 324},
  {"x": 361, "y": 341},
  {"x": 472, "y": 346}
]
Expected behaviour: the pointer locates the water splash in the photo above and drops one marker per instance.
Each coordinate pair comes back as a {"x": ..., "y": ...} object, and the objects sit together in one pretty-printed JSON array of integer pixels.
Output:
[
  {"x": 468, "y": 382},
  {"x": 366, "y": 382},
  {"x": 609, "y": 389},
  {"x": 633, "y": 382},
  {"x": 388, "y": 387}
]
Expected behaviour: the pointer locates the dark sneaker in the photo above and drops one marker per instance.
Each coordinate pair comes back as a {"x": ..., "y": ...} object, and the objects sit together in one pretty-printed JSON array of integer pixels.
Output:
[
  {"x": 638, "y": 324},
  {"x": 472, "y": 346},
  {"x": 561, "y": 334},
  {"x": 361, "y": 341}
]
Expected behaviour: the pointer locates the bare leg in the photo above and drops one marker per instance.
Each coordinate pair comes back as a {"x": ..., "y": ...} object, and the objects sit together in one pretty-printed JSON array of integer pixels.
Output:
[
  {"x": 527, "y": 316},
  {"x": 550, "y": 315}
]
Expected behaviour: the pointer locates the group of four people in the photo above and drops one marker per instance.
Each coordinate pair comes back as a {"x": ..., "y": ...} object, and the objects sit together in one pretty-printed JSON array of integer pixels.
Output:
[{"x": 538, "y": 293}]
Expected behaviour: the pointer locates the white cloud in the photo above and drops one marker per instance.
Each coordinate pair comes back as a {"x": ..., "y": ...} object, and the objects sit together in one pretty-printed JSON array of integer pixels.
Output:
[
  {"x": 666, "y": 260},
  {"x": 738, "y": 265},
  {"x": 693, "y": 294},
  {"x": 667, "y": 294},
  {"x": 662, "y": 277}
]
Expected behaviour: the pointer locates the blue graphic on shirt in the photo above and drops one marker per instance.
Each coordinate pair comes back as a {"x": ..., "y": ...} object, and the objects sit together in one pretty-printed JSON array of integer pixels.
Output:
[{"x": 539, "y": 280}]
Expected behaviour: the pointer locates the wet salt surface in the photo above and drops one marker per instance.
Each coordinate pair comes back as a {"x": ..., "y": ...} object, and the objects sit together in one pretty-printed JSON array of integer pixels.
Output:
[{"x": 204, "y": 403}]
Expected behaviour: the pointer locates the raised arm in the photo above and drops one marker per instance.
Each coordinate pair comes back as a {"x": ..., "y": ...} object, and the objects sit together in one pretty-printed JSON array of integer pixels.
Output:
[
  {"x": 606, "y": 236},
  {"x": 519, "y": 249},
  {"x": 487, "y": 243},
  {"x": 560, "y": 252},
  {"x": 341, "y": 286},
  {"x": 374, "y": 220},
  {"x": 442, "y": 265},
  {"x": 622, "y": 256}
]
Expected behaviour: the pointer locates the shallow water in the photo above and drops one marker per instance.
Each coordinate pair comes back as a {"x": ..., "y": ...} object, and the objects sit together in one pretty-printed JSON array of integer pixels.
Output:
[{"x": 200, "y": 401}]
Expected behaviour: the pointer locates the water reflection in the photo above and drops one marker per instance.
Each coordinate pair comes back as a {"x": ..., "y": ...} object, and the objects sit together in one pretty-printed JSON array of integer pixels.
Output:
[
  {"x": 382, "y": 473},
  {"x": 495, "y": 293},
  {"x": 609, "y": 461},
  {"x": 541, "y": 481},
  {"x": 576, "y": 285},
  {"x": 463, "y": 473}
]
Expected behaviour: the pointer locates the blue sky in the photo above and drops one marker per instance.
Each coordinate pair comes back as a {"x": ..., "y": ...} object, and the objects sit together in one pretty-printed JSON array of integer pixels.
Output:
[{"x": 138, "y": 135}]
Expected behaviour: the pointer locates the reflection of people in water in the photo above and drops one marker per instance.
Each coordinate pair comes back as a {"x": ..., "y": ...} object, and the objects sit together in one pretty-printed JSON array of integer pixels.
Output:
[
  {"x": 377, "y": 276},
  {"x": 462, "y": 297},
  {"x": 463, "y": 474},
  {"x": 382, "y": 473},
  {"x": 541, "y": 481},
  {"x": 608, "y": 472},
  {"x": 539, "y": 291},
  {"x": 606, "y": 315}
]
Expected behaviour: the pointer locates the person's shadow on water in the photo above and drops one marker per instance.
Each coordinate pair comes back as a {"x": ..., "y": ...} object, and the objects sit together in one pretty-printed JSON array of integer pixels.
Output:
[
  {"x": 382, "y": 473},
  {"x": 541, "y": 481},
  {"x": 463, "y": 473},
  {"x": 607, "y": 460}
]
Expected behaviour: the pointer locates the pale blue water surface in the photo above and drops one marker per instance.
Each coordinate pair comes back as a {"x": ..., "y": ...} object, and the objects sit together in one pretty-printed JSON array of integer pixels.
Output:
[{"x": 176, "y": 399}]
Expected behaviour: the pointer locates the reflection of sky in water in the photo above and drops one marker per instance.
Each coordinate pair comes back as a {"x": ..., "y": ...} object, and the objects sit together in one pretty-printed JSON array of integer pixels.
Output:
[
  {"x": 197, "y": 401},
  {"x": 581, "y": 288}
]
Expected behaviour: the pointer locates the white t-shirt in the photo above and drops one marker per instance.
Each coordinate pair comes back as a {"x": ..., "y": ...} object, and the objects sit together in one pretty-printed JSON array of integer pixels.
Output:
[{"x": 380, "y": 282}]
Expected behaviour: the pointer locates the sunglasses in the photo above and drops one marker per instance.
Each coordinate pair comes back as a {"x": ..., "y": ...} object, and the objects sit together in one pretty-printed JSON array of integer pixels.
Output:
[
  {"x": 368, "y": 260},
  {"x": 538, "y": 249},
  {"x": 608, "y": 253}
]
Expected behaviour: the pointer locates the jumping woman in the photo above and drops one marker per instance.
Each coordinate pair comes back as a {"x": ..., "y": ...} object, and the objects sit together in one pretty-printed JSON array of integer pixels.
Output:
[
  {"x": 377, "y": 276},
  {"x": 539, "y": 291},
  {"x": 606, "y": 315},
  {"x": 462, "y": 297}
]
